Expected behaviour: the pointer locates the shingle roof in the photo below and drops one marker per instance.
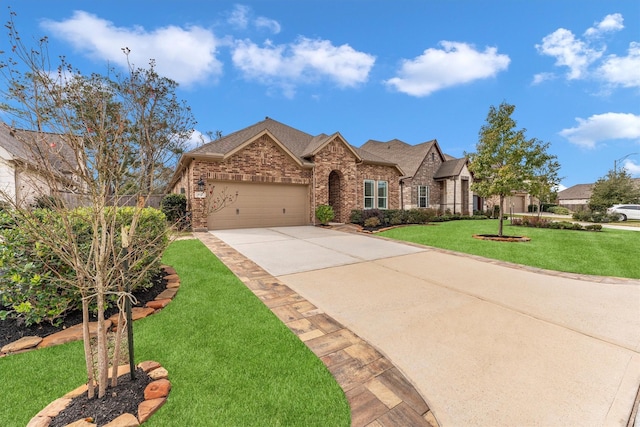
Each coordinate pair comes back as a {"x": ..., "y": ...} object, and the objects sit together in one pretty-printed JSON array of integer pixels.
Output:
[
  {"x": 450, "y": 168},
  {"x": 408, "y": 157},
  {"x": 579, "y": 191},
  {"x": 300, "y": 144},
  {"x": 32, "y": 147},
  {"x": 294, "y": 140}
]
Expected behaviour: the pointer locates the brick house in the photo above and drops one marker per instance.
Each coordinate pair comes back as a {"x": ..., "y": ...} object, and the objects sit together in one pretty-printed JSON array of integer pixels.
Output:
[
  {"x": 432, "y": 179},
  {"x": 270, "y": 174},
  {"x": 23, "y": 153}
]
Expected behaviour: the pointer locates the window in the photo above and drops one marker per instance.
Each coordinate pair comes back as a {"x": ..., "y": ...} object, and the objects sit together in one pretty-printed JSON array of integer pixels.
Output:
[
  {"x": 368, "y": 193},
  {"x": 423, "y": 196},
  {"x": 376, "y": 191},
  {"x": 382, "y": 194}
]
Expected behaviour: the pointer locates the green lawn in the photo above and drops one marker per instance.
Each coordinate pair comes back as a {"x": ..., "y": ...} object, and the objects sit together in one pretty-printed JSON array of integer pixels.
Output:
[
  {"x": 231, "y": 362},
  {"x": 606, "y": 253}
]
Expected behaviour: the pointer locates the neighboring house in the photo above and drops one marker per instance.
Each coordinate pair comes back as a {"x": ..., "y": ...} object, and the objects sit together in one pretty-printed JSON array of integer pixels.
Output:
[
  {"x": 278, "y": 175},
  {"x": 432, "y": 179},
  {"x": 576, "y": 198},
  {"x": 22, "y": 154}
]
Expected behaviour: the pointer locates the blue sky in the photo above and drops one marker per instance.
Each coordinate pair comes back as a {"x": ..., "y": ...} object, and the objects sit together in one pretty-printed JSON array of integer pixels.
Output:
[{"x": 412, "y": 70}]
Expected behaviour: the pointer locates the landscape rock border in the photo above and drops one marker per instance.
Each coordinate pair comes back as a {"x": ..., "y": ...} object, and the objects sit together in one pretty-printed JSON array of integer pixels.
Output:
[
  {"x": 155, "y": 395},
  {"x": 74, "y": 333}
]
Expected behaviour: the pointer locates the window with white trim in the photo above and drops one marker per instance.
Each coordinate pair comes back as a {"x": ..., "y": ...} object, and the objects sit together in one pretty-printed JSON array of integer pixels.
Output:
[
  {"x": 423, "y": 196},
  {"x": 376, "y": 194},
  {"x": 369, "y": 193},
  {"x": 382, "y": 194}
]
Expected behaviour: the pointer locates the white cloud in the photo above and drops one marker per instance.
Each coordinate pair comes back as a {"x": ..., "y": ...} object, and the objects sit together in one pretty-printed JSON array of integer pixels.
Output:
[
  {"x": 631, "y": 167},
  {"x": 241, "y": 17},
  {"x": 578, "y": 55},
  {"x": 623, "y": 71},
  {"x": 268, "y": 24},
  {"x": 542, "y": 77},
  {"x": 186, "y": 55},
  {"x": 603, "y": 127},
  {"x": 609, "y": 24},
  {"x": 569, "y": 52},
  {"x": 456, "y": 63},
  {"x": 305, "y": 61}
]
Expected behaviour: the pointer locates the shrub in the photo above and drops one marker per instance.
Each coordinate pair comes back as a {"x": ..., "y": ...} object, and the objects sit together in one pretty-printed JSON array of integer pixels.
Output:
[
  {"x": 591, "y": 216},
  {"x": 420, "y": 216},
  {"x": 174, "y": 207},
  {"x": 373, "y": 213},
  {"x": 35, "y": 285},
  {"x": 559, "y": 210},
  {"x": 324, "y": 213},
  {"x": 593, "y": 227},
  {"x": 356, "y": 217},
  {"x": 372, "y": 222},
  {"x": 398, "y": 217}
]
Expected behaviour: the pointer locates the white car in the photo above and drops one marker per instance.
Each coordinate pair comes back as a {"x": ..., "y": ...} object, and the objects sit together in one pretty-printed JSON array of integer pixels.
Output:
[{"x": 625, "y": 212}]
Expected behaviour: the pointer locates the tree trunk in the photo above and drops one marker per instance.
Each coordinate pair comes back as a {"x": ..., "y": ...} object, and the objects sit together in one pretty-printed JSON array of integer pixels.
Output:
[
  {"x": 88, "y": 357},
  {"x": 500, "y": 213},
  {"x": 103, "y": 362},
  {"x": 116, "y": 351}
]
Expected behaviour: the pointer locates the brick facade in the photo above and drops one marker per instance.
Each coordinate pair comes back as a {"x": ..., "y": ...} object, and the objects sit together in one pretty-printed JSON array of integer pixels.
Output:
[
  {"x": 424, "y": 177},
  {"x": 378, "y": 173},
  {"x": 338, "y": 158},
  {"x": 333, "y": 172},
  {"x": 263, "y": 160}
]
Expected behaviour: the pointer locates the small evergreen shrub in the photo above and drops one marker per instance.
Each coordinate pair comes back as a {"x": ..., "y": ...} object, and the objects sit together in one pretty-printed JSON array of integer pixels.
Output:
[
  {"x": 597, "y": 217},
  {"x": 559, "y": 210},
  {"x": 324, "y": 213},
  {"x": 356, "y": 217},
  {"x": 372, "y": 222},
  {"x": 174, "y": 207},
  {"x": 35, "y": 283}
]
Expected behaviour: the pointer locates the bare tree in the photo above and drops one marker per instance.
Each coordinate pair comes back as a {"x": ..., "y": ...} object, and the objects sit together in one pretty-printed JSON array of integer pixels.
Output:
[{"x": 96, "y": 137}]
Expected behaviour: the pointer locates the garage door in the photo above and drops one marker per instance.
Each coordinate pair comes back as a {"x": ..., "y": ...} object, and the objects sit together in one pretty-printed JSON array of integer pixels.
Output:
[{"x": 262, "y": 205}]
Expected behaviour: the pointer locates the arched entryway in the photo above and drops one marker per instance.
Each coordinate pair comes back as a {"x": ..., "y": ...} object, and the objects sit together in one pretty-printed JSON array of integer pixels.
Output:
[{"x": 335, "y": 191}]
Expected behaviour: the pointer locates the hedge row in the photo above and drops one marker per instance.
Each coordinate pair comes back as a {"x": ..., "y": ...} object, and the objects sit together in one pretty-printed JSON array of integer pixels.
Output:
[
  {"x": 536, "y": 222},
  {"x": 372, "y": 218},
  {"x": 35, "y": 282}
]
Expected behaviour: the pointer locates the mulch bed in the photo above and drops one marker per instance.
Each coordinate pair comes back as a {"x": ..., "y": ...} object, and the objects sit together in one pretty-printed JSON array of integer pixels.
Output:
[
  {"x": 13, "y": 329},
  {"x": 124, "y": 398}
]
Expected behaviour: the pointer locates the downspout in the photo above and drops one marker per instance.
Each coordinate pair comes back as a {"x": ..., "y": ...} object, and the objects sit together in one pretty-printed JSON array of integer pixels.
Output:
[
  {"x": 401, "y": 194},
  {"x": 454, "y": 195}
]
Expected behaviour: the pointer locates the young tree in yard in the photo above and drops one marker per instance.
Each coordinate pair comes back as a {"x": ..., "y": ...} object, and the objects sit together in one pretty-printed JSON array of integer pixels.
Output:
[
  {"x": 505, "y": 160},
  {"x": 617, "y": 187},
  {"x": 94, "y": 137},
  {"x": 543, "y": 186}
]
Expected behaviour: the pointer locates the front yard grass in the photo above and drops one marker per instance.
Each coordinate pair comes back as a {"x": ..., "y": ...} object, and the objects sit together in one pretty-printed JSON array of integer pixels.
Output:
[
  {"x": 231, "y": 362},
  {"x": 606, "y": 253}
]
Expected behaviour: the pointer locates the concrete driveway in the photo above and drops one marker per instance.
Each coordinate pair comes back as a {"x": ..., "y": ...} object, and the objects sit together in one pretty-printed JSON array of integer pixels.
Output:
[{"x": 485, "y": 344}]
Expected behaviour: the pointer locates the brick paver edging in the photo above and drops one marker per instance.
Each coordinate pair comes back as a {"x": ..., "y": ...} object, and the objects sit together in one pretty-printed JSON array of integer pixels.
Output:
[{"x": 378, "y": 393}]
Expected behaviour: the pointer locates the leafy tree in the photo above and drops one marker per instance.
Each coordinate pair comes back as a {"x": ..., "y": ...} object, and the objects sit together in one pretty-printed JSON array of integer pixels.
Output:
[
  {"x": 617, "y": 187},
  {"x": 505, "y": 160},
  {"x": 90, "y": 140},
  {"x": 543, "y": 186}
]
